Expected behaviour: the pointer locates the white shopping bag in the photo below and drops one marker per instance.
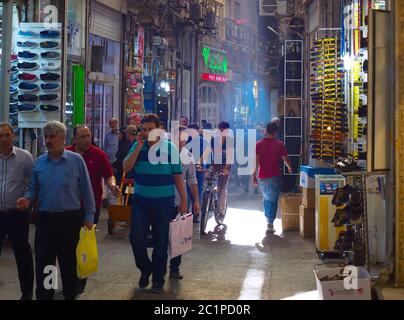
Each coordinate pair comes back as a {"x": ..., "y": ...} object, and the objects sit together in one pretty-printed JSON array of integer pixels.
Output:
[{"x": 181, "y": 235}]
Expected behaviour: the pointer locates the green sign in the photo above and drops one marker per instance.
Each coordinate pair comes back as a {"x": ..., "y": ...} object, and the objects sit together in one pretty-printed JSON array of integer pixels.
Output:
[{"x": 215, "y": 61}]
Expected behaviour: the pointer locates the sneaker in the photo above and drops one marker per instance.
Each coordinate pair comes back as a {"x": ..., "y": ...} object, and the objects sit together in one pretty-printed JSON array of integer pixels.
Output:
[
  {"x": 270, "y": 228},
  {"x": 158, "y": 287},
  {"x": 27, "y": 34},
  {"x": 177, "y": 275},
  {"x": 49, "y": 45},
  {"x": 14, "y": 69},
  {"x": 50, "y": 66},
  {"x": 13, "y": 101},
  {"x": 13, "y": 90},
  {"x": 50, "y": 86},
  {"x": 27, "y": 296},
  {"x": 27, "y": 97},
  {"x": 25, "y": 86},
  {"x": 143, "y": 281},
  {"x": 48, "y": 97},
  {"x": 27, "y": 107},
  {"x": 50, "y": 55},
  {"x": 51, "y": 34},
  {"x": 14, "y": 78},
  {"x": 13, "y": 109},
  {"x": 27, "y": 77},
  {"x": 14, "y": 58},
  {"x": 48, "y": 108},
  {"x": 26, "y": 44},
  {"x": 50, "y": 76},
  {"x": 27, "y": 55},
  {"x": 27, "y": 66}
]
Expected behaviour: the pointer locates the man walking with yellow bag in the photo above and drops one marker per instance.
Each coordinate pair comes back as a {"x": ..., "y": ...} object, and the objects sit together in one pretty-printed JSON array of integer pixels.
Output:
[{"x": 59, "y": 182}]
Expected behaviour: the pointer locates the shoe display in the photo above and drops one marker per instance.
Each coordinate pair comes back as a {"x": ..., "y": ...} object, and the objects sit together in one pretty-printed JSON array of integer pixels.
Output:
[
  {"x": 49, "y": 76},
  {"x": 50, "y": 66},
  {"x": 27, "y": 44},
  {"x": 50, "y": 55},
  {"x": 27, "y": 55},
  {"x": 28, "y": 77},
  {"x": 48, "y": 97},
  {"x": 27, "y": 97},
  {"x": 26, "y": 107},
  {"x": 27, "y": 66},
  {"x": 51, "y": 34},
  {"x": 28, "y": 34},
  {"x": 25, "y": 86},
  {"x": 48, "y": 108},
  {"x": 49, "y": 45},
  {"x": 50, "y": 86}
]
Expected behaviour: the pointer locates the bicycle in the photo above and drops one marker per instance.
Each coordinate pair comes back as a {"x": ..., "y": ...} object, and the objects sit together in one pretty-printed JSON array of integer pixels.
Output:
[{"x": 210, "y": 201}]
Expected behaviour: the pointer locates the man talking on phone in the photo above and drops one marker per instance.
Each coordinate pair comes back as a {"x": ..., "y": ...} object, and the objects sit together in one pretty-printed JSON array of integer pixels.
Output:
[{"x": 153, "y": 201}]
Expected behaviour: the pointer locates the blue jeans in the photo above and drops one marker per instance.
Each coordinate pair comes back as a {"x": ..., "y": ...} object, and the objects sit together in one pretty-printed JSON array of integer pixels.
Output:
[
  {"x": 270, "y": 189},
  {"x": 144, "y": 216}
]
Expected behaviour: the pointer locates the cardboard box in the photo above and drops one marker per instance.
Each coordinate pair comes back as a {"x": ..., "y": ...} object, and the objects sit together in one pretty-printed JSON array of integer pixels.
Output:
[
  {"x": 308, "y": 175},
  {"x": 307, "y": 222},
  {"x": 290, "y": 208},
  {"x": 309, "y": 198},
  {"x": 356, "y": 289}
]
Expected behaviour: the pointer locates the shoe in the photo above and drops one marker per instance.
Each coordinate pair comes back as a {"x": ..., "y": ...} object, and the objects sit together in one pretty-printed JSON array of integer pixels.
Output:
[
  {"x": 270, "y": 228},
  {"x": 50, "y": 66},
  {"x": 26, "y": 44},
  {"x": 13, "y": 101},
  {"x": 27, "y": 66},
  {"x": 177, "y": 275},
  {"x": 50, "y": 86},
  {"x": 27, "y": 55},
  {"x": 48, "y": 97},
  {"x": 143, "y": 281},
  {"x": 14, "y": 58},
  {"x": 50, "y": 76},
  {"x": 50, "y": 55},
  {"x": 27, "y": 34},
  {"x": 13, "y": 90},
  {"x": 50, "y": 34},
  {"x": 81, "y": 286},
  {"x": 27, "y": 97},
  {"x": 28, "y": 77},
  {"x": 158, "y": 287},
  {"x": 14, "y": 69},
  {"x": 14, "y": 78},
  {"x": 49, "y": 45},
  {"x": 48, "y": 108},
  {"x": 27, "y": 107},
  {"x": 29, "y": 87},
  {"x": 27, "y": 296},
  {"x": 13, "y": 109}
]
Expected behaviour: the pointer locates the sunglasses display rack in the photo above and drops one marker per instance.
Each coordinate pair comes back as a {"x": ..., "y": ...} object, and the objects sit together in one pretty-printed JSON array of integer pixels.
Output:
[{"x": 328, "y": 122}]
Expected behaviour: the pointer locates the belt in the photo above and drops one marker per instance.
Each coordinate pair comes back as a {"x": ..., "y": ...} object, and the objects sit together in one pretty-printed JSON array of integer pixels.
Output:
[{"x": 63, "y": 213}]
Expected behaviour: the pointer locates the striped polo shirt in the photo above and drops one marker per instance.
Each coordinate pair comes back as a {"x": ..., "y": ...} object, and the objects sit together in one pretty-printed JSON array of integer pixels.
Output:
[{"x": 153, "y": 173}]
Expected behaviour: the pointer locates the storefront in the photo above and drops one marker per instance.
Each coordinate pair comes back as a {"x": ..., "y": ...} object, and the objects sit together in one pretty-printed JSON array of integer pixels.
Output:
[{"x": 349, "y": 127}]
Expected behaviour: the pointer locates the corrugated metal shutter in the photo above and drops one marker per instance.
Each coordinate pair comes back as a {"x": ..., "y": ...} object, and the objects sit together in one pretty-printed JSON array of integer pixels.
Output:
[{"x": 106, "y": 22}]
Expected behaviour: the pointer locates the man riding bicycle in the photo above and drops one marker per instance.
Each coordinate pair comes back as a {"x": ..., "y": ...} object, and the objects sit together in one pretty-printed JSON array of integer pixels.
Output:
[{"x": 223, "y": 153}]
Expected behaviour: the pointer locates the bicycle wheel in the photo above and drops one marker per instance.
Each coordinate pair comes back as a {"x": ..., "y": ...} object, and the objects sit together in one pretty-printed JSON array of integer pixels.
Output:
[
  {"x": 206, "y": 203},
  {"x": 219, "y": 217}
]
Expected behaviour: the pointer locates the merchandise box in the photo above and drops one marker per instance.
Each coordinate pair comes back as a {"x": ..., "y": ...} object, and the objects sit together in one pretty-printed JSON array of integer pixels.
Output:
[
  {"x": 308, "y": 175},
  {"x": 290, "y": 204},
  {"x": 338, "y": 290},
  {"x": 309, "y": 198},
  {"x": 307, "y": 222}
]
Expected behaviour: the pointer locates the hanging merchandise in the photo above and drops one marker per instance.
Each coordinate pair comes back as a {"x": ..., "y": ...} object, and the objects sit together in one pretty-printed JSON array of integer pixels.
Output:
[
  {"x": 328, "y": 123},
  {"x": 134, "y": 92},
  {"x": 36, "y": 75}
]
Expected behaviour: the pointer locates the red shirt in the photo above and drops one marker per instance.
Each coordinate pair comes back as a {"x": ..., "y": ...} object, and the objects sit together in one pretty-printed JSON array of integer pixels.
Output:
[
  {"x": 98, "y": 167},
  {"x": 270, "y": 153}
]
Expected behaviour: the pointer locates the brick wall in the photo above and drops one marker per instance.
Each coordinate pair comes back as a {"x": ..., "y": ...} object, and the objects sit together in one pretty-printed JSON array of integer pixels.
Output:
[{"x": 399, "y": 275}]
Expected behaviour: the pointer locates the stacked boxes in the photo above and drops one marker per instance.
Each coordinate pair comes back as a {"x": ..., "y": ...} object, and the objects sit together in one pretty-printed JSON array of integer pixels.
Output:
[{"x": 290, "y": 203}]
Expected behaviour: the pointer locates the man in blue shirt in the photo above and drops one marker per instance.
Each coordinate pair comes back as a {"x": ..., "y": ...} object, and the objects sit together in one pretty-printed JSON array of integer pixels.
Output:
[
  {"x": 153, "y": 200},
  {"x": 58, "y": 184}
]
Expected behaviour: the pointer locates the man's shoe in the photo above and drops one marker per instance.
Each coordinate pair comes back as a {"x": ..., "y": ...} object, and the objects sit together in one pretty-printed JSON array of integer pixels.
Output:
[
  {"x": 82, "y": 286},
  {"x": 177, "y": 275},
  {"x": 27, "y": 296},
  {"x": 144, "y": 281},
  {"x": 157, "y": 288},
  {"x": 270, "y": 228}
]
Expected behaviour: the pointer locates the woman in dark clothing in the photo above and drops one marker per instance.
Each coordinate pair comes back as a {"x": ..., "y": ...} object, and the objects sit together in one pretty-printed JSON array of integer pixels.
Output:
[{"x": 123, "y": 150}]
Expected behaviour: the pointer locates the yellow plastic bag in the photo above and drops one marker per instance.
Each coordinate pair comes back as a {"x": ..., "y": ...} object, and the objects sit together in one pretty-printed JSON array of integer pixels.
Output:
[{"x": 87, "y": 253}]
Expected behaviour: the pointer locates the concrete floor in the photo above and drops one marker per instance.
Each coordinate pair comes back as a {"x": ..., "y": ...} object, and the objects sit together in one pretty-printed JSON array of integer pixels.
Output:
[{"x": 241, "y": 264}]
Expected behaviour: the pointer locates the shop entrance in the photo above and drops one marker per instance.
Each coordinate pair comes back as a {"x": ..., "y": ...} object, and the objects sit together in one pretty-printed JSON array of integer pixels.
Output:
[
  {"x": 99, "y": 107},
  {"x": 208, "y": 104}
]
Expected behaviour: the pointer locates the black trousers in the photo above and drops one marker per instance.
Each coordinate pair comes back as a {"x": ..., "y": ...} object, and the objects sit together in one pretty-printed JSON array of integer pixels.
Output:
[
  {"x": 57, "y": 235},
  {"x": 15, "y": 225}
]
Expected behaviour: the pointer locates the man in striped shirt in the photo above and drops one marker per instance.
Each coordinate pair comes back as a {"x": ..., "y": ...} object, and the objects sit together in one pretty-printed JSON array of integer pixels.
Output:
[{"x": 153, "y": 200}]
